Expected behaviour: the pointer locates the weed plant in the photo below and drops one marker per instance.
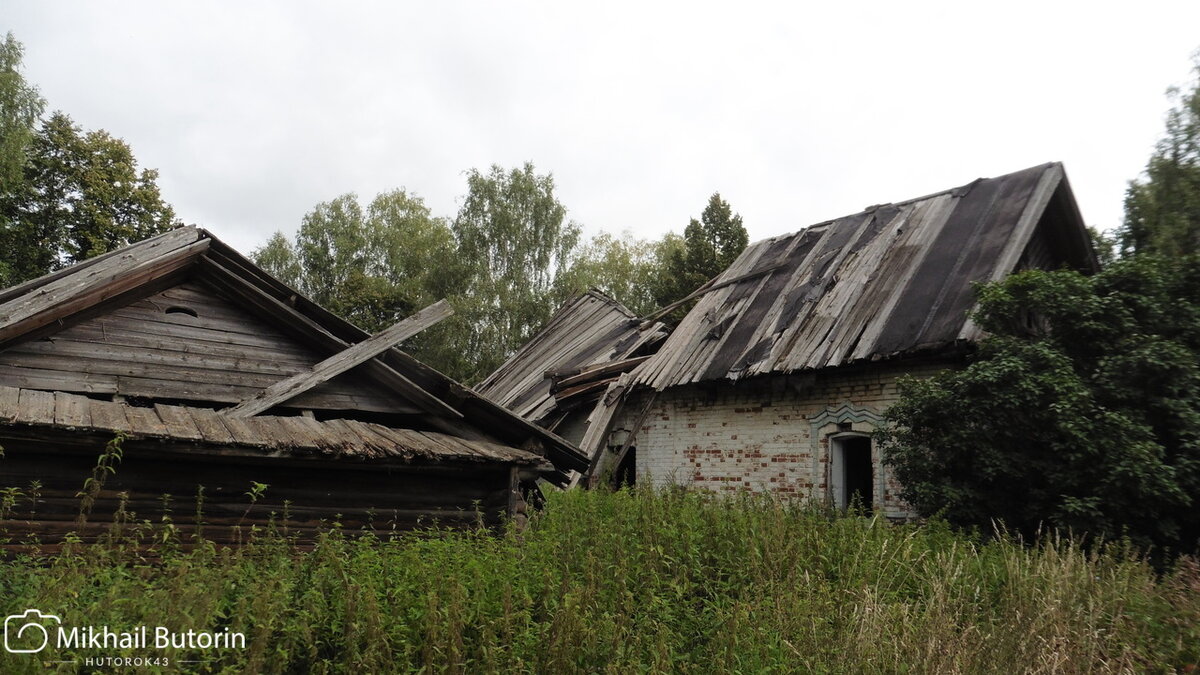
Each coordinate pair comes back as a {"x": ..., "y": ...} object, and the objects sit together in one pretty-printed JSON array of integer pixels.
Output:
[{"x": 633, "y": 581}]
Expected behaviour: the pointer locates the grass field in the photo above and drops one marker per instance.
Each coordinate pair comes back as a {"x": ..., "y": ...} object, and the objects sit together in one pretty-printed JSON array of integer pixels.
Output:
[{"x": 633, "y": 581}]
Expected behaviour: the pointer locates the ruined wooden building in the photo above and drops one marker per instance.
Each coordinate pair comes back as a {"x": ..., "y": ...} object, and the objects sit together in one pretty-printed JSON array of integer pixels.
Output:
[
  {"x": 218, "y": 376},
  {"x": 779, "y": 374}
]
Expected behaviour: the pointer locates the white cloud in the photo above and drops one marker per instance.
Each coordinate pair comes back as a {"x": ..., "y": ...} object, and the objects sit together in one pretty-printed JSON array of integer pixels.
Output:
[{"x": 254, "y": 112}]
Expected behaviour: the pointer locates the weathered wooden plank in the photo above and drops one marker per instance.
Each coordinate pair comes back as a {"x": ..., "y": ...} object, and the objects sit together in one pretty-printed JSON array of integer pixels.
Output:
[
  {"x": 108, "y": 415},
  {"x": 599, "y": 426},
  {"x": 178, "y": 422},
  {"x": 55, "y": 380},
  {"x": 65, "y": 347},
  {"x": 66, "y": 295},
  {"x": 242, "y": 433},
  {"x": 9, "y": 402},
  {"x": 208, "y": 423},
  {"x": 35, "y": 407},
  {"x": 151, "y": 370},
  {"x": 587, "y": 330},
  {"x": 118, "y": 330},
  {"x": 145, "y": 421},
  {"x": 304, "y": 432},
  {"x": 71, "y": 411},
  {"x": 317, "y": 335},
  {"x": 24, "y": 288},
  {"x": 340, "y": 363},
  {"x": 601, "y": 370},
  {"x": 583, "y": 390},
  {"x": 244, "y": 325}
]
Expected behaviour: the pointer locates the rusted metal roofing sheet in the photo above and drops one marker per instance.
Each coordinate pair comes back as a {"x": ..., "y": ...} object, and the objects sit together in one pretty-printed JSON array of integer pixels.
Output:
[
  {"x": 891, "y": 280},
  {"x": 274, "y": 436},
  {"x": 590, "y": 329}
]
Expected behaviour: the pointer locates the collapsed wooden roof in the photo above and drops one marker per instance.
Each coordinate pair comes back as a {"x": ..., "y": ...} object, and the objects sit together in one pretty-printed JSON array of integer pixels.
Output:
[
  {"x": 588, "y": 342},
  {"x": 893, "y": 280},
  {"x": 261, "y": 436},
  {"x": 82, "y": 330}
]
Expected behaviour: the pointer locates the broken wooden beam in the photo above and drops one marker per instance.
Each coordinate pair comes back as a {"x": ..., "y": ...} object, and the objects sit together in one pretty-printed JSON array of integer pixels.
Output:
[
  {"x": 315, "y": 334},
  {"x": 339, "y": 363},
  {"x": 592, "y": 373}
]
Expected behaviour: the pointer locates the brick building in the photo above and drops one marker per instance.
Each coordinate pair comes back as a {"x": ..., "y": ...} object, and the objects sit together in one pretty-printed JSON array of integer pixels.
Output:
[{"x": 779, "y": 374}]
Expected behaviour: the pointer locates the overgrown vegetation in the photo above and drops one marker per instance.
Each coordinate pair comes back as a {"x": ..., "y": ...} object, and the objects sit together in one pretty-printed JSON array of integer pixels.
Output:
[
  {"x": 635, "y": 581},
  {"x": 1081, "y": 410}
]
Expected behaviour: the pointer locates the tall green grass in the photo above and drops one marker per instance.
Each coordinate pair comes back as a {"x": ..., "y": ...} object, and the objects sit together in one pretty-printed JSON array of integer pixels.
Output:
[{"x": 636, "y": 581}]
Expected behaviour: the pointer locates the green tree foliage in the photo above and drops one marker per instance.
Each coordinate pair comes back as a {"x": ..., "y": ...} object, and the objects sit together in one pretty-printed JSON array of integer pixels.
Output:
[
  {"x": 514, "y": 242},
  {"x": 82, "y": 195},
  {"x": 373, "y": 265},
  {"x": 1080, "y": 411},
  {"x": 625, "y": 268},
  {"x": 65, "y": 195},
  {"x": 20, "y": 108},
  {"x": 1162, "y": 212},
  {"x": 710, "y": 245}
]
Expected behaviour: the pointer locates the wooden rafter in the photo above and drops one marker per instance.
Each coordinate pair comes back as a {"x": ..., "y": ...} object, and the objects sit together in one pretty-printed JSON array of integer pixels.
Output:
[{"x": 339, "y": 363}]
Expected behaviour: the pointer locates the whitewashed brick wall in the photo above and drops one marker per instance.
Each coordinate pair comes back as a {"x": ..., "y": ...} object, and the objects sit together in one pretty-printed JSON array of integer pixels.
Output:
[{"x": 770, "y": 434}]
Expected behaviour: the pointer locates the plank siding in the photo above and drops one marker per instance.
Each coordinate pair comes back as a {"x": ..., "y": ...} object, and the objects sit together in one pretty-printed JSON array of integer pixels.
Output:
[{"x": 224, "y": 355}]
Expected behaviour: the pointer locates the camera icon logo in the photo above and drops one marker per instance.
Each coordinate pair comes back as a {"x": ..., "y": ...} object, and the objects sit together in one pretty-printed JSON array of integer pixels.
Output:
[{"x": 23, "y": 630}]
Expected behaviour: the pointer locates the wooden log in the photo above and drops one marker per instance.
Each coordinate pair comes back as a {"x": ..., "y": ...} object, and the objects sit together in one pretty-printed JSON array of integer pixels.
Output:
[{"x": 340, "y": 363}]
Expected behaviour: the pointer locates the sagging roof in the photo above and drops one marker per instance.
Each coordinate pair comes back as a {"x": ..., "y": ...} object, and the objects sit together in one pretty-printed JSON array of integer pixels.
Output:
[
  {"x": 892, "y": 280},
  {"x": 272, "y": 436},
  {"x": 174, "y": 263},
  {"x": 590, "y": 330}
]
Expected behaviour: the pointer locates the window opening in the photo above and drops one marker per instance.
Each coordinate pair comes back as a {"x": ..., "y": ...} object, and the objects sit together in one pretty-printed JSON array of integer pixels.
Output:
[{"x": 852, "y": 473}]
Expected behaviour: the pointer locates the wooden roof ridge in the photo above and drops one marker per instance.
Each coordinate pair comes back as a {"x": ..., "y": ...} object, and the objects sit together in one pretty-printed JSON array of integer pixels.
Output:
[
  {"x": 261, "y": 436},
  {"x": 891, "y": 280},
  {"x": 48, "y": 303},
  {"x": 600, "y": 295},
  {"x": 59, "y": 295}
]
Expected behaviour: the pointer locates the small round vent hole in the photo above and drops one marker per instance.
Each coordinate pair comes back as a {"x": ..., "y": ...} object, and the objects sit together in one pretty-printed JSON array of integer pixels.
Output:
[{"x": 176, "y": 309}]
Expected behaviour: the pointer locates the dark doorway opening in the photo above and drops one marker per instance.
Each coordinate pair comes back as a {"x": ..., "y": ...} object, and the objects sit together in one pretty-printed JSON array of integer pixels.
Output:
[
  {"x": 626, "y": 473},
  {"x": 855, "y": 473}
]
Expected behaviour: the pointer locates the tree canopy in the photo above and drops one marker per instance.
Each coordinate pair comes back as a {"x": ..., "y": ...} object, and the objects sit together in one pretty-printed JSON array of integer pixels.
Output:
[
  {"x": 65, "y": 194},
  {"x": 514, "y": 242},
  {"x": 1162, "y": 211},
  {"x": 376, "y": 264},
  {"x": 625, "y": 268},
  {"x": 709, "y": 245},
  {"x": 20, "y": 108}
]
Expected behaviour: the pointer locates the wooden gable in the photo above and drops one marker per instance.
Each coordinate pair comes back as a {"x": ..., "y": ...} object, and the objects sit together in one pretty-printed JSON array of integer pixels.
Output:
[{"x": 186, "y": 343}]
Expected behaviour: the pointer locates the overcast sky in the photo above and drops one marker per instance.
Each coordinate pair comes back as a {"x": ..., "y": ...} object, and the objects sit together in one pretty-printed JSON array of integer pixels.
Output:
[{"x": 253, "y": 112}]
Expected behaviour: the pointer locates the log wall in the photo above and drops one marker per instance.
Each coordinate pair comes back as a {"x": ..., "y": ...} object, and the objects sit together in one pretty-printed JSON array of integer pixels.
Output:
[{"x": 153, "y": 486}]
